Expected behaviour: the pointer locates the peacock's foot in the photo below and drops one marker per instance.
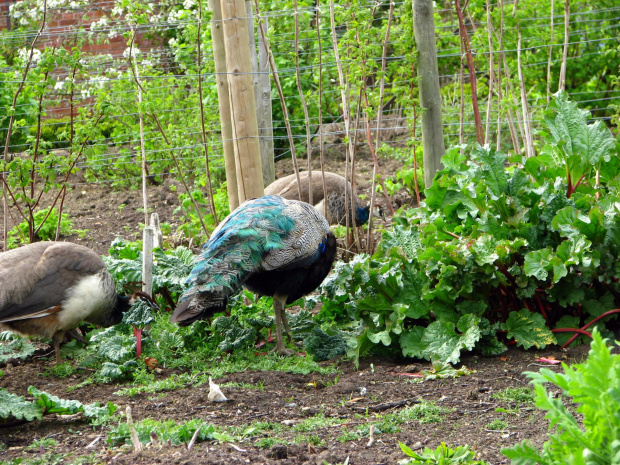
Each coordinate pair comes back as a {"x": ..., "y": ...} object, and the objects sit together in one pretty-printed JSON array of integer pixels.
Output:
[{"x": 283, "y": 351}]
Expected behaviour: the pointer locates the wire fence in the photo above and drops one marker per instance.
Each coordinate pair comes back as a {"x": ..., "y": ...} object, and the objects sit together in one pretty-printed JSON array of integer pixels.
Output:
[{"x": 73, "y": 94}]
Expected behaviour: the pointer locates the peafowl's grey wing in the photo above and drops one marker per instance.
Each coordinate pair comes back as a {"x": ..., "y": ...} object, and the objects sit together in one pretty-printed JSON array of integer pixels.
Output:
[
  {"x": 35, "y": 277},
  {"x": 260, "y": 235}
]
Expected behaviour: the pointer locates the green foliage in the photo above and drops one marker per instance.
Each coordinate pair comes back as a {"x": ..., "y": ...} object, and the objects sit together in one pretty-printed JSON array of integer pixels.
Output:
[
  {"x": 14, "y": 347},
  {"x": 191, "y": 226},
  {"x": 166, "y": 431},
  {"x": 519, "y": 396},
  {"x": 502, "y": 250},
  {"x": 443, "y": 455},
  {"x": 593, "y": 386},
  {"x": 324, "y": 345},
  {"x": 139, "y": 315},
  {"x": 45, "y": 226},
  {"x": 170, "y": 270},
  {"x": 43, "y": 403}
]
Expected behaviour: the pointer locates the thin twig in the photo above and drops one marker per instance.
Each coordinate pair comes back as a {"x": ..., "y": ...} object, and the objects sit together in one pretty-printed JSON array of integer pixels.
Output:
[
  {"x": 276, "y": 79},
  {"x": 202, "y": 118},
  {"x": 562, "y": 81},
  {"x": 133, "y": 434},
  {"x": 134, "y": 66},
  {"x": 304, "y": 106}
]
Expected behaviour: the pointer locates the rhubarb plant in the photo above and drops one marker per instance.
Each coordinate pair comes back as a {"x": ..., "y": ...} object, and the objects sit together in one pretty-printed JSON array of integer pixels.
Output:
[{"x": 504, "y": 250}]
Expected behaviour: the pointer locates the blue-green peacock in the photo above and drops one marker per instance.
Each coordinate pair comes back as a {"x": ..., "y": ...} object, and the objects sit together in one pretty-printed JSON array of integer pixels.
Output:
[{"x": 272, "y": 246}]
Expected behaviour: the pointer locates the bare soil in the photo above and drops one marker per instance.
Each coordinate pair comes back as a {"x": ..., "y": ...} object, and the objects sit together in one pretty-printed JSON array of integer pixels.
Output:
[
  {"x": 285, "y": 397},
  {"x": 291, "y": 398}
]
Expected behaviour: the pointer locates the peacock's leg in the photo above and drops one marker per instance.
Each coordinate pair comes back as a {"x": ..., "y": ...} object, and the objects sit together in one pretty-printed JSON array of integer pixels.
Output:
[
  {"x": 57, "y": 338},
  {"x": 278, "y": 308}
]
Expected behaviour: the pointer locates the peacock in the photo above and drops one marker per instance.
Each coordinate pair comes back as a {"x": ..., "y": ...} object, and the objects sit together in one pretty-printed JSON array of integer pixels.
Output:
[
  {"x": 272, "y": 246},
  {"x": 335, "y": 212},
  {"x": 48, "y": 288}
]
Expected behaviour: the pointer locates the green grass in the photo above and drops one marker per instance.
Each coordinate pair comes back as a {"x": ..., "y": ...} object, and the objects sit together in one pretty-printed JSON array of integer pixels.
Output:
[
  {"x": 497, "y": 425},
  {"x": 515, "y": 399},
  {"x": 62, "y": 370},
  {"x": 520, "y": 396}
]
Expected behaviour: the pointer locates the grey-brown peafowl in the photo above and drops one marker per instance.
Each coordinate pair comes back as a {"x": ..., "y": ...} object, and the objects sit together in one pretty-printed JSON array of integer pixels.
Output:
[
  {"x": 335, "y": 212},
  {"x": 48, "y": 288},
  {"x": 272, "y": 246}
]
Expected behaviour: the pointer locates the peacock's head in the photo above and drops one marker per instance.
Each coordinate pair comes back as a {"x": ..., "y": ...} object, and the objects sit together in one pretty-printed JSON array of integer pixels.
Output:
[{"x": 361, "y": 215}]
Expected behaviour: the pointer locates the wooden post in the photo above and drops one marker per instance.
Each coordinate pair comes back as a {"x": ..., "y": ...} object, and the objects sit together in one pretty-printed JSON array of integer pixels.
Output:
[
  {"x": 147, "y": 260},
  {"x": 430, "y": 97},
  {"x": 158, "y": 237},
  {"x": 219, "y": 56},
  {"x": 242, "y": 104},
  {"x": 262, "y": 97}
]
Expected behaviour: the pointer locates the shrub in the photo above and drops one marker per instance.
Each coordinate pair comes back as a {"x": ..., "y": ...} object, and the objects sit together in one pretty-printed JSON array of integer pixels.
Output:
[{"x": 595, "y": 387}]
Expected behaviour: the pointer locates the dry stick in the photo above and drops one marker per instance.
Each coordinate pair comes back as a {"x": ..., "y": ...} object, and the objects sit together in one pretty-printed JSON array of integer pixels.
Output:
[
  {"x": 5, "y": 185},
  {"x": 276, "y": 79},
  {"x": 562, "y": 82},
  {"x": 351, "y": 206},
  {"x": 472, "y": 73},
  {"x": 135, "y": 439},
  {"x": 202, "y": 117},
  {"x": 491, "y": 75},
  {"x": 462, "y": 106},
  {"x": 68, "y": 172},
  {"x": 376, "y": 162},
  {"x": 371, "y": 436},
  {"x": 379, "y": 114},
  {"x": 134, "y": 66},
  {"x": 321, "y": 154},
  {"x": 194, "y": 437},
  {"x": 71, "y": 134},
  {"x": 499, "y": 80},
  {"x": 174, "y": 158},
  {"x": 529, "y": 146},
  {"x": 303, "y": 105},
  {"x": 511, "y": 117},
  {"x": 415, "y": 117},
  {"x": 178, "y": 168},
  {"x": 345, "y": 110},
  {"x": 33, "y": 172},
  {"x": 550, "y": 54}
]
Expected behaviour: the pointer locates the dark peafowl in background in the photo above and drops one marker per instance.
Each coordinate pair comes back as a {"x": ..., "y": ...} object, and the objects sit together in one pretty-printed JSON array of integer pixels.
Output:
[
  {"x": 335, "y": 212},
  {"x": 272, "y": 246}
]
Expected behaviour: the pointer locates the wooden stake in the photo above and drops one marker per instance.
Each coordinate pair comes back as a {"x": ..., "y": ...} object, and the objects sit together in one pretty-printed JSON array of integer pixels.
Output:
[
  {"x": 562, "y": 82},
  {"x": 219, "y": 57},
  {"x": 430, "y": 97},
  {"x": 242, "y": 103}
]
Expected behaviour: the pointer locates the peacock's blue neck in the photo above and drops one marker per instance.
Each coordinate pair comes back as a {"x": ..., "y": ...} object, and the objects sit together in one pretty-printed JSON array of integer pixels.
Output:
[{"x": 361, "y": 215}]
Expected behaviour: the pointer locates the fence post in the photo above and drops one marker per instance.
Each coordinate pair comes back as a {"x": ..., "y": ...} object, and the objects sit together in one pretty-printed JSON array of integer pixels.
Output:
[
  {"x": 219, "y": 57},
  {"x": 430, "y": 97},
  {"x": 262, "y": 87},
  {"x": 147, "y": 260},
  {"x": 242, "y": 103}
]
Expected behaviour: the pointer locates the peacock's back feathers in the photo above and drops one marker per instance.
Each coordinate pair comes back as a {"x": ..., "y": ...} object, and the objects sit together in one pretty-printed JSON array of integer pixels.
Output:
[{"x": 262, "y": 235}]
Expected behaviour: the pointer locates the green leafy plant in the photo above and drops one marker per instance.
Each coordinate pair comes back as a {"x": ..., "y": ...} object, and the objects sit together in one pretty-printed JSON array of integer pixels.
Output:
[
  {"x": 43, "y": 403},
  {"x": 443, "y": 455},
  {"x": 45, "y": 224},
  {"x": 14, "y": 347},
  {"x": 593, "y": 386},
  {"x": 176, "y": 433},
  {"x": 503, "y": 250}
]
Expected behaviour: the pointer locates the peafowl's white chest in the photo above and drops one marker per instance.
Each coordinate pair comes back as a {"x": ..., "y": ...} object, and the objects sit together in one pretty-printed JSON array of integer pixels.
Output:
[{"x": 90, "y": 299}]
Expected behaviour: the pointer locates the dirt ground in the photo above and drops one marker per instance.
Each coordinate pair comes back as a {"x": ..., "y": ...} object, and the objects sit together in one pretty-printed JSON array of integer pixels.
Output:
[
  {"x": 289, "y": 398},
  {"x": 286, "y": 397}
]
